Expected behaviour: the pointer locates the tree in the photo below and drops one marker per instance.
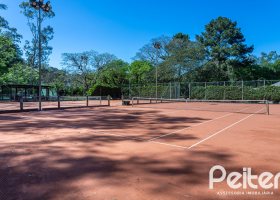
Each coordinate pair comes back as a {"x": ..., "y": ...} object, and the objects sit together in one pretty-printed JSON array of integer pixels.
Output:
[
  {"x": 31, "y": 47},
  {"x": 9, "y": 55},
  {"x": 84, "y": 66},
  {"x": 80, "y": 64},
  {"x": 9, "y": 32},
  {"x": 270, "y": 60},
  {"x": 225, "y": 46},
  {"x": 152, "y": 55},
  {"x": 208, "y": 72},
  {"x": 113, "y": 74},
  {"x": 184, "y": 55},
  {"x": 58, "y": 79},
  {"x": 20, "y": 74},
  {"x": 138, "y": 71},
  {"x": 101, "y": 60}
]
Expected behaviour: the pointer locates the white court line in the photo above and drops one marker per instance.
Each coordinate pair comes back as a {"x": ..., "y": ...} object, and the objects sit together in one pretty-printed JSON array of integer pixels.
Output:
[
  {"x": 224, "y": 129},
  {"x": 187, "y": 128},
  {"x": 194, "y": 125},
  {"x": 172, "y": 145}
]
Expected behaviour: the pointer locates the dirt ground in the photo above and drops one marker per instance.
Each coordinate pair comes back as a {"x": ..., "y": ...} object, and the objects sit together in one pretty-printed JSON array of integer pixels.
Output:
[{"x": 125, "y": 153}]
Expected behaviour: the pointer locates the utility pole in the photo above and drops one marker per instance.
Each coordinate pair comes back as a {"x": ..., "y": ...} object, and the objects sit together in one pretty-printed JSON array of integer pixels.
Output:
[
  {"x": 40, "y": 6},
  {"x": 157, "y": 46}
]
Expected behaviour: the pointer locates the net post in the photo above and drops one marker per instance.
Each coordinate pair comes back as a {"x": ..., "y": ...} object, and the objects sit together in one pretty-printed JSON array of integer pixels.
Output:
[
  {"x": 21, "y": 103},
  {"x": 100, "y": 100},
  {"x": 109, "y": 100},
  {"x": 87, "y": 100},
  {"x": 58, "y": 102},
  {"x": 267, "y": 107}
]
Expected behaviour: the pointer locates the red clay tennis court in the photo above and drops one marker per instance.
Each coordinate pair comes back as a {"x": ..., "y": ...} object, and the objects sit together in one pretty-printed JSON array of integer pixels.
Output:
[{"x": 148, "y": 151}]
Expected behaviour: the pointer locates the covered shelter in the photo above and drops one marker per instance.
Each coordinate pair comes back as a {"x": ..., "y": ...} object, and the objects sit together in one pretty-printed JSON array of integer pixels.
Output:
[{"x": 14, "y": 92}]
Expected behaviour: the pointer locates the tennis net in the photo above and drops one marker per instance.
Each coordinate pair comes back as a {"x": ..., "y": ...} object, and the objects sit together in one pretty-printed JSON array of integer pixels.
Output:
[
  {"x": 31, "y": 103},
  {"x": 231, "y": 106}
]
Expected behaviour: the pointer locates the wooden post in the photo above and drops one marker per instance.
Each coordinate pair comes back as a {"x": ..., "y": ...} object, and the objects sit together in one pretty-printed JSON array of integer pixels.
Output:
[
  {"x": 109, "y": 99},
  {"x": 267, "y": 107},
  {"x": 21, "y": 103},
  {"x": 58, "y": 102}
]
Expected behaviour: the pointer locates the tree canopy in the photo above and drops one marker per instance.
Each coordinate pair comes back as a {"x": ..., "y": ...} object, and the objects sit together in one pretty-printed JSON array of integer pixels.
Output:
[
  {"x": 219, "y": 53},
  {"x": 31, "y": 48}
]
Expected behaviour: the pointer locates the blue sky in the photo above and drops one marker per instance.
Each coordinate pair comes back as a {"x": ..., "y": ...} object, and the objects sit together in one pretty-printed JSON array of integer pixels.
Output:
[{"x": 122, "y": 27}]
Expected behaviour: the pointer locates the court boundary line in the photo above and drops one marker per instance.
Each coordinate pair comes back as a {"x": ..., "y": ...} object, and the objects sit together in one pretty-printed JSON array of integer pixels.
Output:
[
  {"x": 224, "y": 129},
  {"x": 138, "y": 139},
  {"x": 177, "y": 131},
  {"x": 173, "y": 145},
  {"x": 186, "y": 128},
  {"x": 167, "y": 144}
]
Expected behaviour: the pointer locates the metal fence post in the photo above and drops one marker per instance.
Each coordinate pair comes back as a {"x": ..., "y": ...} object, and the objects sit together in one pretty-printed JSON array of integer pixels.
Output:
[
  {"x": 189, "y": 90},
  {"x": 179, "y": 90},
  {"x": 205, "y": 88},
  {"x": 170, "y": 90},
  {"x": 264, "y": 85},
  {"x": 224, "y": 90},
  {"x": 242, "y": 89}
]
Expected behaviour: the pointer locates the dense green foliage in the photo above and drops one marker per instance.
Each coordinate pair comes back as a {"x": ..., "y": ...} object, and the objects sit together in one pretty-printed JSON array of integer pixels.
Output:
[
  {"x": 235, "y": 93},
  {"x": 219, "y": 53},
  {"x": 9, "y": 55},
  {"x": 31, "y": 48},
  {"x": 20, "y": 74}
]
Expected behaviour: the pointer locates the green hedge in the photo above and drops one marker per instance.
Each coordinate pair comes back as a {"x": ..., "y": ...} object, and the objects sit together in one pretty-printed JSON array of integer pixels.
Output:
[
  {"x": 100, "y": 90},
  {"x": 271, "y": 93}
]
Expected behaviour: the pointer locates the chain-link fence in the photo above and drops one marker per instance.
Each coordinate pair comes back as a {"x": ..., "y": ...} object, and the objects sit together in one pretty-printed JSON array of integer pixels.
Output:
[
  {"x": 239, "y": 90},
  {"x": 163, "y": 90}
]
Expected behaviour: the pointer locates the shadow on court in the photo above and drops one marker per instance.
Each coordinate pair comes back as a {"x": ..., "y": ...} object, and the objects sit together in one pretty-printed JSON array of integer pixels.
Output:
[{"x": 59, "y": 157}]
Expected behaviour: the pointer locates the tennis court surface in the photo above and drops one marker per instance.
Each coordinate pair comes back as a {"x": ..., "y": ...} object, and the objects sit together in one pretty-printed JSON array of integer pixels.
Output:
[{"x": 161, "y": 151}]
